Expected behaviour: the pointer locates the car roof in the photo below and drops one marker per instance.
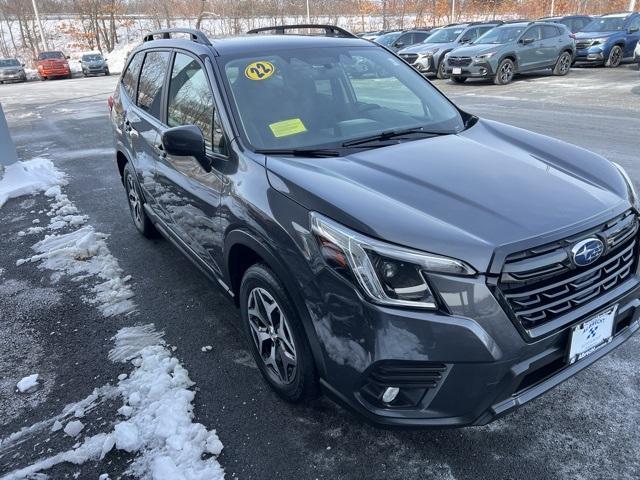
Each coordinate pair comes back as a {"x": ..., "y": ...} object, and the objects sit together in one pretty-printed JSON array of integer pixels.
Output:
[
  {"x": 256, "y": 43},
  {"x": 620, "y": 15}
]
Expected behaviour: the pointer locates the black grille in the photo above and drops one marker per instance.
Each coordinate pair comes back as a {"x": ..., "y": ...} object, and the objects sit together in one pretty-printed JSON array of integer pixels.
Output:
[
  {"x": 409, "y": 57},
  {"x": 542, "y": 284},
  {"x": 459, "y": 61},
  {"x": 407, "y": 374}
]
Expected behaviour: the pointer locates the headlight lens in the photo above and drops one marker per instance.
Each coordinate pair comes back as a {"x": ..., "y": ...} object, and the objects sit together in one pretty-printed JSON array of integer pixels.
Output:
[
  {"x": 632, "y": 189},
  {"x": 598, "y": 41},
  {"x": 483, "y": 57},
  {"x": 388, "y": 274},
  {"x": 428, "y": 53}
]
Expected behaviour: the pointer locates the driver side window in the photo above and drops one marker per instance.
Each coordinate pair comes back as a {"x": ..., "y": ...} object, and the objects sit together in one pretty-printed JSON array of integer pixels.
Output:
[{"x": 191, "y": 102}]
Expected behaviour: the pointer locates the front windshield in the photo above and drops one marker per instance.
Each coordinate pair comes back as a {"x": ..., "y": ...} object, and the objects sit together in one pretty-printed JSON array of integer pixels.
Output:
[
  {"x": 9, "y": 62},
  {"x": 445, "y": 35},
  {"x": 322, "y": 97},
  {"x": 500, "y": 35},
  {"x": 93, "y": 57},
  {"x": 50, "y": 55},
  {"x": 608, "y": 24},
  {"x": 388, "y": 38}
]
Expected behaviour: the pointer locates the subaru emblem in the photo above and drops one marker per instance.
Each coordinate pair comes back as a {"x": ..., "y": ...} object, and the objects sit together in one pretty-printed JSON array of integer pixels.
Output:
[{"x": 587, "y": 251}]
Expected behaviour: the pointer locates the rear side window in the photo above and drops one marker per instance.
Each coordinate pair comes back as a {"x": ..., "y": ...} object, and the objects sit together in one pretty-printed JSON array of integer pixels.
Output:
[
  {"x": 130, "y": 77},
  {"x": 419, "y": 37},
  {"x": 151, "y": 82},
  {"x": 549, "y": 32},
  {"x": 190, "y": 98}
]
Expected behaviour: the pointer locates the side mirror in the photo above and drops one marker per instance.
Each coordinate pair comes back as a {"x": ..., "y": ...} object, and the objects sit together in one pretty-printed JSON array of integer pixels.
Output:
[
  {"x": 398, "y": 44},
  {"x": 527, "y": 41},
  {"x": 24, "y": 65},
  {"x": 465, "y": 40},
  {"x": 186, "y": 141},
  {"x": 633, "y": 30}
]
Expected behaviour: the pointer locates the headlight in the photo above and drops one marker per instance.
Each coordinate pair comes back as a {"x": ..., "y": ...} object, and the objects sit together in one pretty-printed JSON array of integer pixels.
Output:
[
  {"x": 598, "y": 41},
  {"x": 632, "y": 190},
  {"x": 428, "y": 53},
  {"x": 483, "y": 57},
  {"x": 388, "y": 274}
]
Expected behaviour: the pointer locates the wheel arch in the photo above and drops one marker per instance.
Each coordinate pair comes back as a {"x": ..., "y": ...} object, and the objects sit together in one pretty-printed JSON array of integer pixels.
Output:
[
  {"x": 246, "y": 248},
  {"x": 511, "y": 56},
  {"x": 121, "y": 161}
]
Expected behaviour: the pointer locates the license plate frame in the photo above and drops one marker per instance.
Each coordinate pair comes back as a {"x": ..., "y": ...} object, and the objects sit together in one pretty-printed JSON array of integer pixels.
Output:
[{"x": 592, "y": 334}]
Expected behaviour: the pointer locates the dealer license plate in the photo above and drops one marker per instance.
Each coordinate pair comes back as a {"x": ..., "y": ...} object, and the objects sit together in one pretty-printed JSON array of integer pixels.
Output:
[
  {"x": 457, "y": 71},
  {"x": 592, "y": 334}
]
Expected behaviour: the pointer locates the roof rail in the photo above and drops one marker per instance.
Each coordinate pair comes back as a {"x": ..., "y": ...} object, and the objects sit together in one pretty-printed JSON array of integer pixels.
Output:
[
  {"x": 196, "y": 35},
  {"x": 518, "y": 20},
  {"x": 627, "y": 12},
  {"x": 330, "y": 30}
]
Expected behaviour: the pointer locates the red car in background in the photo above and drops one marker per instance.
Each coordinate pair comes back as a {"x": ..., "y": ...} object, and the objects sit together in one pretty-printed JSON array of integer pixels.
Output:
[{"x": 53, "y": 64}]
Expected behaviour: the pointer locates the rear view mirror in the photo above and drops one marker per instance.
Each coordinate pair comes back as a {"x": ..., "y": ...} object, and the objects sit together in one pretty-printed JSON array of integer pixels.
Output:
[
  {"x": 633, "y": 29},
  {"x": 465, "y": 40},
  {"x": 186, "y": 141},
  {"x": 527, "y": 41}
]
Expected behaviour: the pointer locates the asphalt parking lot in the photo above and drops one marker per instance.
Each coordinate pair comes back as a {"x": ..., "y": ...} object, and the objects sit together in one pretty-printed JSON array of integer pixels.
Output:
[{"x": 586, "y": 428}]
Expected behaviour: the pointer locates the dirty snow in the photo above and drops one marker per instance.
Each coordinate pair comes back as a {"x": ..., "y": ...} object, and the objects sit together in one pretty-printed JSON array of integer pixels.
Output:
[
  {"x": 27, "y": 178},
  {"x": 82, "y": 254},
  {"x": 158, "y": 418},
  {"x": 27, "y": 383}
]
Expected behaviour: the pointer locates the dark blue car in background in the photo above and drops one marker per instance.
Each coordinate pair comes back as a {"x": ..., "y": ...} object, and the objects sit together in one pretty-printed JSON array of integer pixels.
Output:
[{"x": 608, "y": 40}]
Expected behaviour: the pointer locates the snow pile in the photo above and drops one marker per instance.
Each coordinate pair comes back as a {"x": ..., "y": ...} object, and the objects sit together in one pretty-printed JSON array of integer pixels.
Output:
[
  {"x": 81, "y": 254},
  {"x": 27, "y": 383},
  {"x": 158, "y": 419},
  {"x": 117, "y": 58},
  {"x": 63, "y": 212},
  {"x": 26, "y": 178}
]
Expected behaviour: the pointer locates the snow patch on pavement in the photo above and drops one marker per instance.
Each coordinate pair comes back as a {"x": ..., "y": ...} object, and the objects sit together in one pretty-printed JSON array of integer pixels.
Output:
[
  {"x": 83, "y": 253},
  {"x": 27, "y": 178},
  {"x": 27, "y": 383},
  {"x": 158, "y": 423}
]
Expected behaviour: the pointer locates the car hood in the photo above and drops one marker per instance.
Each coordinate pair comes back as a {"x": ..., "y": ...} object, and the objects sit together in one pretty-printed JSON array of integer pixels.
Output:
[
  {"x": 473, "y": 50},
  {"x": 588, "y": 35},
  {"x": 12, "y": 67},
  {"x": 460, "y": 195},
  {"x": 423, "y": 47}
]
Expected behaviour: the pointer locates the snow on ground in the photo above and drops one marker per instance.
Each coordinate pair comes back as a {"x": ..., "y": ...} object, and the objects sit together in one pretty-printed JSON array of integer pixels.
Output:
[
  {"x": 26, "y": 178},
  {"x": 156, "y": 418},
  {"x": 27, "y": 383}
]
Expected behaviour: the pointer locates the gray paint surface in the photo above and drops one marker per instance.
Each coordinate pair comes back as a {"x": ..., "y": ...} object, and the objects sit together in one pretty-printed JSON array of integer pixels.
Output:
[{"x": 8, "y": 153}]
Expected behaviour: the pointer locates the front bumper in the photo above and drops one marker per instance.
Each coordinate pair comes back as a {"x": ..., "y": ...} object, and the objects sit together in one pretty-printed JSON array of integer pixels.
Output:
[
  {"x": 467, "y": 367},
  {"x": 592, "y": 55},
  {"x": 13, "y": 77},
  {"x": 475, "y": 70}
]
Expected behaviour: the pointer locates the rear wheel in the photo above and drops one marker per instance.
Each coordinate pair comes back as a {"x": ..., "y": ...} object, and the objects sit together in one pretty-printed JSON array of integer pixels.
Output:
[
  {"x": 615, "y": 57},
  {"x": 276, "y": 336},
  {"x": 458, "y": 79},
  {"x": 136, "y": 204},
  {"x": 505, "y": 72},
  {"x": 563, "y": 65}
]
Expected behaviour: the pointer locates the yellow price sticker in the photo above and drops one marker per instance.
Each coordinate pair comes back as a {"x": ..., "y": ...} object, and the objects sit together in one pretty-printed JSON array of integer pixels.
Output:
[
  {"x": 259, "y": 70},
  {"x": 287, "y": 127}
]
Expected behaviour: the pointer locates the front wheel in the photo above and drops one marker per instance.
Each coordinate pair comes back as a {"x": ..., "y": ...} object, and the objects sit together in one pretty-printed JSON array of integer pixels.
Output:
[
  {"x": 136, "y": 204},
  {"x": 106, "y": 73},
  {"x": 441, "y": 72},
  {"x": 458, "y": 79},
  {"x": 505, "y": 72},
  {"x": 563, "y": 65},
  {"x": 615, "y": 57},
  {"x": 276, "y": 337}
]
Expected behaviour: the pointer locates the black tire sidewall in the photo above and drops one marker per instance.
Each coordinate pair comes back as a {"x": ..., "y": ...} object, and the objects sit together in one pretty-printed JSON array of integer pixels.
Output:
[
  {"x": 304, "y": 385},
  {"x": 498, "y": 80},
  {"x": 147, "y": 229},
  {"x": 556, "y": 69},
  {"x": 609, "y": 64}
]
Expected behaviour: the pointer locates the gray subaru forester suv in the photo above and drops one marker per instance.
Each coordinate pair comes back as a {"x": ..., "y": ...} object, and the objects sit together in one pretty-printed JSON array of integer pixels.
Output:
[
  {"x": 513, "y": 48},
  {"x": 423, "y": 266}
]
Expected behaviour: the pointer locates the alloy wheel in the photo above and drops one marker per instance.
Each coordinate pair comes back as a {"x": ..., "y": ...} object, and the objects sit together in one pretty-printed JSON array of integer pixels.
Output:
[
  {"x": 134, "y": 201},
  {"x": 565, "y": 63},
  {"x": 506, "y": 72},
  {"x": 615, "y": 56},
  {"x": 272, "y": 336}
]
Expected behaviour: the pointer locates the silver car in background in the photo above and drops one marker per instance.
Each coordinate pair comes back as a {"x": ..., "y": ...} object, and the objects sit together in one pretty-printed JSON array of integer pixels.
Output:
[{"x": 11, "y": 70}]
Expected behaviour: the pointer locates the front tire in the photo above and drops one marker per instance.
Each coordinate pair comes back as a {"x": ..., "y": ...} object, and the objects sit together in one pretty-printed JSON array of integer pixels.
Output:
[
  {"x": 615, "y": 57},
  {"x": 563, "y": 65},
  {"x": 505, "y": 72},
  {"x": 276, "y": 337},
  {"x": 136, "y": 204},
  {"x": 441, "y": 73}
]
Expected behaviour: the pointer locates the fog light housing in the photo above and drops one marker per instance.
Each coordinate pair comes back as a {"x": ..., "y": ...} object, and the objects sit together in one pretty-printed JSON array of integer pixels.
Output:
[{"x": 390, "y": 394}]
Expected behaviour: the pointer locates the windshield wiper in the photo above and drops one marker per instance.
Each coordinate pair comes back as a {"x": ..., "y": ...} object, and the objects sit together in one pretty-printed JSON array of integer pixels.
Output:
[
  {"x": 301, "y": 152},
  {"x": 390, "y": 135}
]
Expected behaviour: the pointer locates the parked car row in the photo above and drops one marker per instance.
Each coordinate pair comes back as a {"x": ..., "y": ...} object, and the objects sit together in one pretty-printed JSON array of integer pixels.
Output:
[
  {"x": 52, "y": 64},
  {"x": 499, "y": 50}
]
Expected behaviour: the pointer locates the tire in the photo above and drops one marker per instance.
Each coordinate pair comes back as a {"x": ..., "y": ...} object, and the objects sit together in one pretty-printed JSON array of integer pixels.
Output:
[
  {"x": 42, "y": 79},
  {"x": 107, "y": 73},
  {"x": 136, "y": 203},
  {"x": 563, "y": 65},
  {"x": 615, "y": 57},
  {"x": 440, "y": 73},
  {"x": 284, "y": 356},
  {"x": 505, "y": 72},
  {"x": 458, "y": 79}
]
